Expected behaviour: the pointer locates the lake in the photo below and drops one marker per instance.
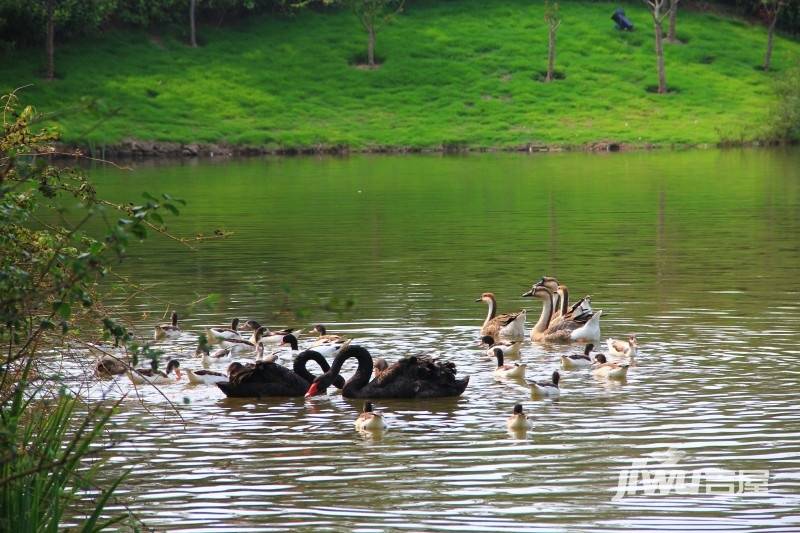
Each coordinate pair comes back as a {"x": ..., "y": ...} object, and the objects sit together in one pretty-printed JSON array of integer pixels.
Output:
[{"x": 696, "y": 252}]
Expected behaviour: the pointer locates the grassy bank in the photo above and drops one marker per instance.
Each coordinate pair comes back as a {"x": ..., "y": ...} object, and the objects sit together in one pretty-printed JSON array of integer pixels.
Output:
[{"x": 463, "y": 72}]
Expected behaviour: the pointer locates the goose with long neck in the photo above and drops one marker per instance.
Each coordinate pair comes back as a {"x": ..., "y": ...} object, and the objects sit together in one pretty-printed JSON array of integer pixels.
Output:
[
  {"x": 566, "y": 330},
  {"x": 580, "y": 310},
  {"x": 265, "y": 379},
  {"x": 509, "y": 325},
  {"x": 410, "y": 377}
]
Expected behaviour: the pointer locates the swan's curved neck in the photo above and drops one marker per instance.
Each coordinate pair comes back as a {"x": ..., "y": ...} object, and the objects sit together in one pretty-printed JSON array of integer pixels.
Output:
[
  {"x": 302, "y": 360},
  {"x": 547, "y": 312},
  {"x": 492, "y": 309},
  {"x": 363, "y": 372}
]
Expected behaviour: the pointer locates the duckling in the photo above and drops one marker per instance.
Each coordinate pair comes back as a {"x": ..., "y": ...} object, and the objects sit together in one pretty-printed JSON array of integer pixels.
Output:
[
  {"x": 547, "y": 389},
  {"x": 219, "y": 333},
  {"x": 379, "y": 366},
  {"x": 507, "y": 371},
  {"x": 324, "y": 338},
  {"x": 622, "y": 348},
  {"x": 574, "y": 361},
  {"x": 603, "y": 369},
  {"x": 510, "y": 348},
  {"x": 370, "y": 420},
  {"x": 519, "y": 420},
  {"x": 108, "y": 366},
  {"x": 509, "y": 325},
  {"x": 156, "y": 377},
  {"x": 169, "y": 331}
]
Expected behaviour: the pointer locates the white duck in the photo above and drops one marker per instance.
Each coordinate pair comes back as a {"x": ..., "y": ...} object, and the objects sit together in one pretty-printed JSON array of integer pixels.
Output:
[
  {"x": 507, "y": 371},
  {"x": 603, "y": 369},
  {"x": 222, "y": 333},
  {"x": 628, "y": 349},
  {"x": 168, "y": 330},
  {"x": 510, "y": 348},
  {"x": 547, "y": 389},
  {"x": 575, "y": 361}
]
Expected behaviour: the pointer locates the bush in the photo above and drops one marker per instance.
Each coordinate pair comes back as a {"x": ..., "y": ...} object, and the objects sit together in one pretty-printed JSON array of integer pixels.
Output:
[{"x": 786, "y": 122}]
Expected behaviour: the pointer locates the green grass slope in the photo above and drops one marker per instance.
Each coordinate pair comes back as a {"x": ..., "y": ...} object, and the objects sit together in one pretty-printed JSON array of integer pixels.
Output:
[{"x": 462, "y": 72}]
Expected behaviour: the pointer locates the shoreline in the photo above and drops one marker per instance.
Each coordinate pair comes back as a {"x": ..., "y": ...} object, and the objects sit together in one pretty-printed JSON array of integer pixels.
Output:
[{"x": 137, "y": 149}]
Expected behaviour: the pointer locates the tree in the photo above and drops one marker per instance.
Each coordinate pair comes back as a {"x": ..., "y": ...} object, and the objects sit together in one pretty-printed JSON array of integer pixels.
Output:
[
  {"x": 373, "y": 14},
  {"x": 192, "y": 28},
  {"x": 673, "y": 18},
  {"x": 772, "y": 9},
  {"x": 83, "y": 15},
  {"x": 658, "y": 13},
  {"x": 553, "y": 19}
]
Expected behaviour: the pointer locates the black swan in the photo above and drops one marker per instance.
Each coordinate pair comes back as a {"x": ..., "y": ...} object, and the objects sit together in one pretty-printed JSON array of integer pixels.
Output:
[
  {"x": 271, "y": 379},
  {"x": 411, "y": 377}
]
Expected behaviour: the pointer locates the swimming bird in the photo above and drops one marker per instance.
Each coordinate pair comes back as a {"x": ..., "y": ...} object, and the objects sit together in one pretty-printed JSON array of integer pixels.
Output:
[
  {"x": 369, "y": 420},
  {"x": 604, "y": 369},
  {"x": 547, "y": 389},
  {"x": 157, "y": 377},
  {"x": 567, "y": 330},
  {"x": 507, "y": 371},
  {"x": 519, "y": 420},
  {"x": 510, "y": 348},
  {"x": 574, "y": 361},
  {"x": 218, "y": 333},
  {"x": 509, "y": 325},
  {"x": 267, "y": 379},
  {"x": 221, "y": 355},
  {"x": 169, "y": 330},
  {"x": 410, "y": 377},
  {"x": 622, "y": 348},
  {"x": 324, "y": 338},
  {"x": 109, "y": 365},
  {"x": 264, "y": 336}
]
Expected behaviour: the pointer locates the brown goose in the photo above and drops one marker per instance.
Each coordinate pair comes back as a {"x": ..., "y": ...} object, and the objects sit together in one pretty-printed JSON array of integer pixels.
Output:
[
  {"x": 508, "y": 326},
  {"x": 565, "y": 330}
]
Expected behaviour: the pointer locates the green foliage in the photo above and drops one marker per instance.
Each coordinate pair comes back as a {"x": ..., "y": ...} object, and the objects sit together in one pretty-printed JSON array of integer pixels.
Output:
[
  {"x": 462, "y": 72},
  {"x": 43, "y": 450},
  {"x": 49, "y": 270},
  {"x": 787, "y": 115}
]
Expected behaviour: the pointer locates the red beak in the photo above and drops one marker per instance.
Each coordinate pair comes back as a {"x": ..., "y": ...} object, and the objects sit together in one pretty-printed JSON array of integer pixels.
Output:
[{"x": 312, "y": 390}]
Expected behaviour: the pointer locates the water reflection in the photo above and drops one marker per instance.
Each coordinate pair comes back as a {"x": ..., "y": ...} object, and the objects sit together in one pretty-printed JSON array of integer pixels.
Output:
[{"x": 694, "y": 252}]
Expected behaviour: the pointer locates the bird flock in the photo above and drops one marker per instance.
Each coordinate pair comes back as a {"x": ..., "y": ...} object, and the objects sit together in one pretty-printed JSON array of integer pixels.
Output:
[{"x": 266, "y": 374}]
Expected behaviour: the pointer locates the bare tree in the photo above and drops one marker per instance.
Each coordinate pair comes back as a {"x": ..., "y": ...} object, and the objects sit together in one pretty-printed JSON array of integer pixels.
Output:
[
  {"x": 373, "y": 14},
  {"x": 772, "y": 9},
  {"x": 659, "y": 13},
  {"x": 192, "y": 27},
  {"x": 673, "y": 19},
  {"x": 553, "y": 19}
]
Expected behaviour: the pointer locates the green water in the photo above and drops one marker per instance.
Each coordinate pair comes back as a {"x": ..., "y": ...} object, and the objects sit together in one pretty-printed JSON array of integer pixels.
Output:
[{"x": 696, "y": 252}]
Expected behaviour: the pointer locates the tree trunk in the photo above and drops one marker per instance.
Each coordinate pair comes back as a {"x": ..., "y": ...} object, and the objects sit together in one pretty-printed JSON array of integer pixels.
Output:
[
  {"x": 50, "y": 41},
  {"x": 662, "y": 77},
  {"x": 192, "y": 28},
  {"x": 371, "y": 46},
  {"x": 770, "y": 35},
  {"x": 673, "y": 18},
  {"x": 551, "y": 55}
]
